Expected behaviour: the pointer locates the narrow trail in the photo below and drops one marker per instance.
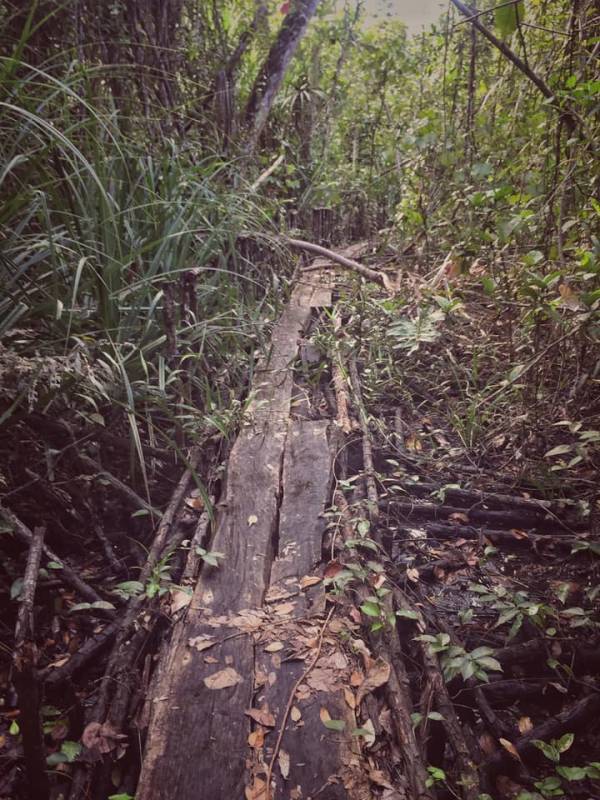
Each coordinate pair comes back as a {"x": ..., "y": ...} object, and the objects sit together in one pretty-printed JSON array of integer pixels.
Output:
[{"x": 307, "y": 664}]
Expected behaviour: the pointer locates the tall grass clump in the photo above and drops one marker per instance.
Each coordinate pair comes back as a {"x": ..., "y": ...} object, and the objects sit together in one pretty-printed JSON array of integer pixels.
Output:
[{"x": 129, "y": 291}]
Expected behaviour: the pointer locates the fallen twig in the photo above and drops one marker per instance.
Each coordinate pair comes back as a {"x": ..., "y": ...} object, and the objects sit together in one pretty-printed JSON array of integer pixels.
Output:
[
  {"x": 69, "y": 576},
  {"x": 25, "y": 677}
]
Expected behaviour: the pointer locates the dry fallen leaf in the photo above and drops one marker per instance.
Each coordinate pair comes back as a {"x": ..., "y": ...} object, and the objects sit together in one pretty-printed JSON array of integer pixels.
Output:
[
  {"x": 324, "y": 715},
  {"x": 295, "y": 714},
  {"x": 309, "y": 580},
  {"x": 180, "y": 599},
  {"x": 412, "y": 574},
  {"x": 284, "y": 764},
  {"x": 101, "y": 736},
  {"x": 458, "y": 516},
  {"x": 201, "y": 642},
  {"x": 377, "y": 675},
  {"x": 525, "y": 724},
  {"x": 252, "y": 520},
  {"x": 284, "y": 608},
  {"x": 261, "y": 715},
  {"x": 356, "y": 678},
  {"x": 257, "y": 790},
  {"x": 223, "y": 679},
  {"x": 274, "y": 647},
  {"x": 518, "y": 534},
  {"x": 380, "y": 778},
  {"x": 256, "y": 739},
  {"x": 509, "y": 747}
]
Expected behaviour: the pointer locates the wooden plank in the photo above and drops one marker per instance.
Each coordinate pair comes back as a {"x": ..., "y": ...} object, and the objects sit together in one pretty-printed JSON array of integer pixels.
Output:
[
  {"x": 196, "y": 743},
  {"x": 320, "y": 759},
  {"x": 307, "y": 474}
]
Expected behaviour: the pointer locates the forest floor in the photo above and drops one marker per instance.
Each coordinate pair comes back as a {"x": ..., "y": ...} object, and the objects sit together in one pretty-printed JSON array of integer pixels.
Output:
[{"x": 394, "y": 598}]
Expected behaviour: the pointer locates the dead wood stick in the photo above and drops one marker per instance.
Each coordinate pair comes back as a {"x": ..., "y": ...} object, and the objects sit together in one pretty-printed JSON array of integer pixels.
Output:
[
  {"x": 123, "y": 655},
  {"x": 477, "y": 497},
  {"x": 126, "y": 491},
  {"x": 367, "y": 446},
  {"x": 339, "y": 385},
  {"x": 469, "y": 777},
  {"x": 398, "y": 696},
  {"x": 29, "y": 689},
  {"x": 290, "y": 701},
  {"x": 397, "y": 688},
  {"x": 68, "y": 575},
  {"x": 373, "y": 275},
  {"x": 522, "y": 518},
  {"x": 56, "y": 676},
  {"x": 440, "y": 530}
]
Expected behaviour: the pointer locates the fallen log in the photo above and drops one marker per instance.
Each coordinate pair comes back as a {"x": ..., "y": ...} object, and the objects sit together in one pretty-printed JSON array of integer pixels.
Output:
[
  {"x": 512, "y": 538},
  {"x": 529, "y": 519}
]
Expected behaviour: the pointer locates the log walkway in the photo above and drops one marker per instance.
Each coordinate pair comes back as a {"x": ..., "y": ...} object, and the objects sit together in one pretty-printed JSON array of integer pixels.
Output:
[{"x": 246, "y": 640}]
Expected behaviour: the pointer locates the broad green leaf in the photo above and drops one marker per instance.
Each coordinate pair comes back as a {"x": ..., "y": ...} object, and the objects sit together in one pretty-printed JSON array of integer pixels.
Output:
[
  {"x": 335, "y": 724},
  {"x": 370, "y": 609}
]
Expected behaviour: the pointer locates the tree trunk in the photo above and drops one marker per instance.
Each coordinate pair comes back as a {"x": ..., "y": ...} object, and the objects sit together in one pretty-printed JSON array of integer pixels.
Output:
[{"x": 273, "y": 70}]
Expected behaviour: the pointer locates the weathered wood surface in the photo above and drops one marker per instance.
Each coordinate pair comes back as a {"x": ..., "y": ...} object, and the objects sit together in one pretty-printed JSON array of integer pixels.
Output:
[{"x": 269, "y": 529}]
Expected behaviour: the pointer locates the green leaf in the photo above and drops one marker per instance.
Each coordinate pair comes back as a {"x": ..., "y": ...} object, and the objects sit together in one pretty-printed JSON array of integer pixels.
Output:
[
  {"x": 559, "y": 450},
  {"x": 14, "y": 728},
  {"x": 129, "y": 588},
  {"x": 16, "y": 588},
  {"x": 335, "y": 724},
  {"x": 406, "y": 613},
  {"x": 80, "y": 607},
  {"x": 489, "y": 663},
  {"x": 54, "y": 565},
  {"x": 565, "y": 742},
  {"x": 548, "y": 750},
  {"x": 71, "y": 750},
  {"x": 370, "y": 609},
  {"x": 56, "y": 758},
  {"x": 572, "y": 773},
  {"x": 435, "y": 715}
]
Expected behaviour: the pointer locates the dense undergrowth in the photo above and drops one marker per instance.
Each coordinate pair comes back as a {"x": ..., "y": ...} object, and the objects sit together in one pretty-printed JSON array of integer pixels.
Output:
[{"x": 142, "y": 264}]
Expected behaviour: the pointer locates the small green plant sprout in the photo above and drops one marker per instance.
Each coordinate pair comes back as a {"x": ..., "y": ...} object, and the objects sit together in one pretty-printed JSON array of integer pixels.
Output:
[
  {"x": 160, "y": 578},
  {"x": 210, "y": 557},
  {"x": 578, "y": 451},
  {"x": 66, "y": 755},
  {"x": 585, "y": 546},
  {"x": 456, "y": 660},
  {"x": 513, "y": 607},
  {"x": 435, "y": 775},
  {"x": 128, "y": 589},
  {"x": 554, "y": 749},
  {"x": 551, "y": 786},
  {"x": 374, "y": 607}
]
